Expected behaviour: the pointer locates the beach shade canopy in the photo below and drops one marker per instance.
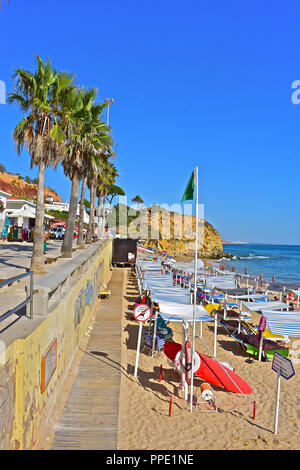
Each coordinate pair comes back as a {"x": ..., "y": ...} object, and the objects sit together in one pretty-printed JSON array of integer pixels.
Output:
[
  {"x": 221, "y": 282},
  {"x": 189, "y": 267},
  {"x": 170, "y": 295},
  {"x": 235, "y": 292},
  {"x": 152, "y": 279},
  {"x": 149, "y": 265},
  {"x": 283, "y": 323},
  {"x": 161, "y": 289},
  {"x": 252, "y": 297},
  {"x": 174, "y": 318},
  {"x": 260, "y": 306},
  {"x": 180, "y": 310}
]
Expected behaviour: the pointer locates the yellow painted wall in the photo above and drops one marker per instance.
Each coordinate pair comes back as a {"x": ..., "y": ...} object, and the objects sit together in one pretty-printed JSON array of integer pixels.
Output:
[{"x": 20, "y": 374}]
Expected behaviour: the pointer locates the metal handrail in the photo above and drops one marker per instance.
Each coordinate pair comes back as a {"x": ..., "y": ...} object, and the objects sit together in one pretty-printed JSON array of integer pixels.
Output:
[{"x": 28, "y": 300}]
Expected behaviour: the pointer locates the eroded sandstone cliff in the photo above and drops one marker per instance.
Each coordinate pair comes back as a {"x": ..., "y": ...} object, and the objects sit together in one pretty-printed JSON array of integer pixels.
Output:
[{"x": 175, "y": 233}]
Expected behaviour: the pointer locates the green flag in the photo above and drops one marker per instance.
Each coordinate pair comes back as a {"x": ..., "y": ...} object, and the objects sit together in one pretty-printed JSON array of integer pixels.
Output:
[{"x": 189, "y": 190}]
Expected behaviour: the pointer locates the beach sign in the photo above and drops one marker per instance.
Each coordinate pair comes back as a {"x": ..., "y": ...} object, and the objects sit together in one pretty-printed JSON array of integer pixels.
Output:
[
  {"x": 284, "y": 368},
  {"x": 142, "y": 312}
]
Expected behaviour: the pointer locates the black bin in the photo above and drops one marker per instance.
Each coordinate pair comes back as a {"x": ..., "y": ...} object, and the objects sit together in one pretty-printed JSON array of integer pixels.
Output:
[{"x": 124, "y": 252}]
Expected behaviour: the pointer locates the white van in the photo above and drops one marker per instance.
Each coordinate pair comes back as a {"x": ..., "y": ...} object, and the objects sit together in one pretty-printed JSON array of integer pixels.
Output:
[{"x": 60, "y": 233}]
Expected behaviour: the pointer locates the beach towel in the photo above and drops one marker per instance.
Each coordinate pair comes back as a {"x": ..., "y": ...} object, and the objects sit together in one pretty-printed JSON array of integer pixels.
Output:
[
  {"x": 261, "y": 327},
  {"x": 163, "y": 329}
]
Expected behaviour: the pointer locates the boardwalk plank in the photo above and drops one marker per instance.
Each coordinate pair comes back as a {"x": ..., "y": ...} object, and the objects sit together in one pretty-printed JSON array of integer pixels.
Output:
[{"x": 90, "y": 416}]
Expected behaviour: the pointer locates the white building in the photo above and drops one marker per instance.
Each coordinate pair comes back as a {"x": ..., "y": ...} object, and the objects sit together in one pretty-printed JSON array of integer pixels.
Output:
[
  {"x": 22, "y": 213},
  {"x": 3, "y": 198},
  {"x": 64, "y": 206},
  {"x": 56, "y": 205}
]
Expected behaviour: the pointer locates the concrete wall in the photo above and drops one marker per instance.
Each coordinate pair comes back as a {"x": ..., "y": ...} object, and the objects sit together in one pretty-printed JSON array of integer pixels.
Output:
[{"x": 66, "y": 309}]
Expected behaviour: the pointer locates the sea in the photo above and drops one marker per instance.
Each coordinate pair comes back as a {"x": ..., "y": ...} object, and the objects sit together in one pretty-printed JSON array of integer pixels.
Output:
[{"x": 281, "y": 261}]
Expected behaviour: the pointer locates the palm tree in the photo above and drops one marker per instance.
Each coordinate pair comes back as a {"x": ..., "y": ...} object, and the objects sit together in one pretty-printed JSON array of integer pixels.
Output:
[
  {"x": 85, "y": 133},
  {"x": 113, "y": 191},
  {"x": 138, "y": 200},
  {"x": 41, "y": 95},
  {"x": 108, "y": 178},
  {"x": 95, "y": 177}
]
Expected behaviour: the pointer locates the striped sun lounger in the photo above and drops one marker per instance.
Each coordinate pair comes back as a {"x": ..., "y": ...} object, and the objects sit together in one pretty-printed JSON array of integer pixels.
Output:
[{"x": 283, "y": 323}]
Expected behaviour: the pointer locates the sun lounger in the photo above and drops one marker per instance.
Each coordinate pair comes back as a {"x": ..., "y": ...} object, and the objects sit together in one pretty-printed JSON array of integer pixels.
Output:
[{"x": 260, "y": 306}]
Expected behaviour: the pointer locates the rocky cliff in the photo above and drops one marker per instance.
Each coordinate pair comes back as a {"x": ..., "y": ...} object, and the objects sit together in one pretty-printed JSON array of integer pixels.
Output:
[
  {"x": 19, "y": 189},
  {"x": 175, "y": 233}
]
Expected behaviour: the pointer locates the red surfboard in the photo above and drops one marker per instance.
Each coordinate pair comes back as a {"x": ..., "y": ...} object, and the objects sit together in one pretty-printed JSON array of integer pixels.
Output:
[{"x": 211, "y": 371}]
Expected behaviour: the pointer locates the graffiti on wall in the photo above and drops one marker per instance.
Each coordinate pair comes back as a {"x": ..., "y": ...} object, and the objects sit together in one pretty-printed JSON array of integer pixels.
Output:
[
  {"x": 88, "y": 294},
  {"x": 79, "y": 307}
]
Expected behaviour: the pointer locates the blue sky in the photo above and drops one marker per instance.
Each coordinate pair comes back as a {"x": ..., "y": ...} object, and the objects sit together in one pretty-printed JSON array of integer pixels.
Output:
[{"x": 204, "y": 83}]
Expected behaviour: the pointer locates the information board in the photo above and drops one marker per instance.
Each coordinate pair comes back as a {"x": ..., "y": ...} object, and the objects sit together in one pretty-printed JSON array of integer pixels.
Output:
[{"x": 283, "y": 366}]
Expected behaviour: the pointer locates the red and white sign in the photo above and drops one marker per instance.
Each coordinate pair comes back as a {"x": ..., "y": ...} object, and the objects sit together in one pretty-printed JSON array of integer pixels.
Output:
[{"x": 142, "y": 312}]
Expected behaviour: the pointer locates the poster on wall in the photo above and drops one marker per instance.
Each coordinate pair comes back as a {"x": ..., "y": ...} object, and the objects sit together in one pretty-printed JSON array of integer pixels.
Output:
[{"x": 49, "y": 364}]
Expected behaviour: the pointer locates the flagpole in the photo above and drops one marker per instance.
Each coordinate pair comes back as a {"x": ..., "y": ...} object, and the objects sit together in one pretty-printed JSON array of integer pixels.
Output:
[{"x": 195, "y": 288}]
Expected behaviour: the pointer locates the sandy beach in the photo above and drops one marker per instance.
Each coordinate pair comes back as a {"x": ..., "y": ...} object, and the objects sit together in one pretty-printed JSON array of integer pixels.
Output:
[{"x": 144, "y": 421}]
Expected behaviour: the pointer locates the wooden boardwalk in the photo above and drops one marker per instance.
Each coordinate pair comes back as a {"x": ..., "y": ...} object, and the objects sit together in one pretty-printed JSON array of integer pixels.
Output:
[{"x": 90, "y": 416}]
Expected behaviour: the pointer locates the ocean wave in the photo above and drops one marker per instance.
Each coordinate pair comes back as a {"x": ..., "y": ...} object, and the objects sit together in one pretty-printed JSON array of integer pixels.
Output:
[{"x": 251, "y": 256}]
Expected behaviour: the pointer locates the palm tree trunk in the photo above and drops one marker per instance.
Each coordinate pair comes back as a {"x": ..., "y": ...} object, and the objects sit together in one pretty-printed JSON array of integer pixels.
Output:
[
  {"x": 80, "y": 240},
  {"x": 99, "y": 214},
  {"x": 93, "y": 219},
  {"x": 104, "y": 207},
  {"x": 89, "y": 235},
  {"x": 37, "y": 260},
  {"x": 67, "y": 245}
]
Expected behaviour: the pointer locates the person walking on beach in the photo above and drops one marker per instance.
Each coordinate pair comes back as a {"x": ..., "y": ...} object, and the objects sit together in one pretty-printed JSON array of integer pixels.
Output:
[{"x": 45, "y": 242}]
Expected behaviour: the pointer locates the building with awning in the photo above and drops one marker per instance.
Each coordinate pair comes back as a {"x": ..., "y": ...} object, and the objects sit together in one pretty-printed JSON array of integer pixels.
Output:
[{"x": 22, "y": 213}]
